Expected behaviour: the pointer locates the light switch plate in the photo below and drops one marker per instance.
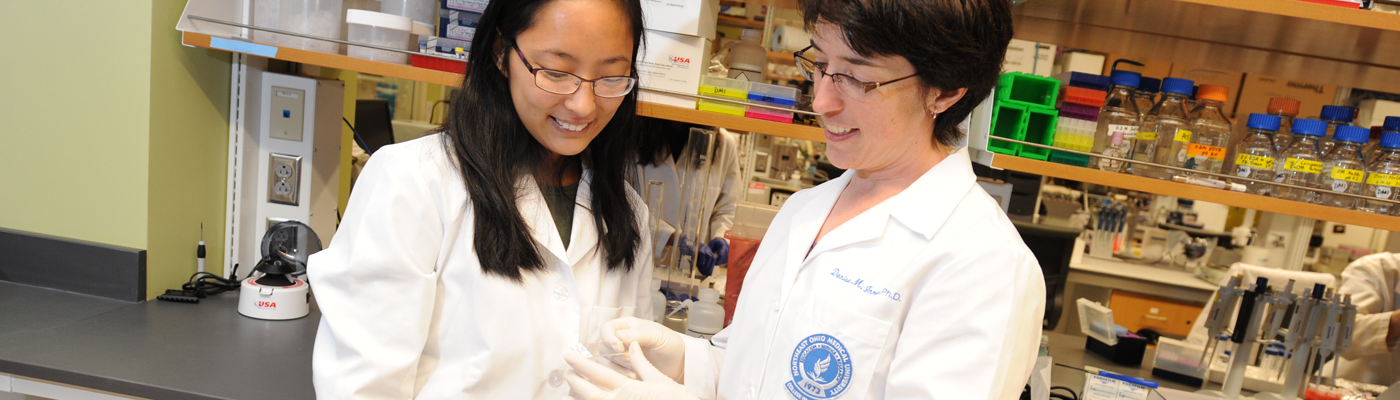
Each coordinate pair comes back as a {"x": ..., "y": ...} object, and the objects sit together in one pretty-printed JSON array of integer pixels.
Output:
[
  {"x": 283, "y": 179},
  {"x": 287, "y": 113}
]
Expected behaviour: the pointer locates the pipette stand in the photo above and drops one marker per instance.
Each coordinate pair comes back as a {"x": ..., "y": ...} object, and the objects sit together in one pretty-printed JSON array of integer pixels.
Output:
[{"x": 1245, "y": 337}]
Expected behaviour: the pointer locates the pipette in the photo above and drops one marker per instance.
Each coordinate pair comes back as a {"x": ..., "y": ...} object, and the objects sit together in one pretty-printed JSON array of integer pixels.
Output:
[
  {"x": 1245, "y": 333},
  {"x": 1279, "y": 302},
  {"x": 1299, "y": 339},
  {"x": 1220, "y": 311},
  {"x": 1348, "y": 322},
  {"x": 1331, "y": 325}
]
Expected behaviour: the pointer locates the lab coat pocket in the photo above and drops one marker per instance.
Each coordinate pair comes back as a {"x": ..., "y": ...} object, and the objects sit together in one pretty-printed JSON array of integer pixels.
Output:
[
  {"x": 592, "y": 329},
  {"x": 839, "y": 355}
]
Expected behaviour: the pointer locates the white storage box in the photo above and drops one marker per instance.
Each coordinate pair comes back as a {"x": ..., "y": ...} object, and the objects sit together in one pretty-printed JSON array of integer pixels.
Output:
[
  {"x": 672, "y": 62},
  {"x": 379, "y": 29},
  {"x": 686, "y": 17}
]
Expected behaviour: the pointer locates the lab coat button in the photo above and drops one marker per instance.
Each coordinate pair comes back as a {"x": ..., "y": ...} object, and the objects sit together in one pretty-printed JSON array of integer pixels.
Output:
[
  {"x": 561, "y": 293},
  {"x": 556, "y": 378}
]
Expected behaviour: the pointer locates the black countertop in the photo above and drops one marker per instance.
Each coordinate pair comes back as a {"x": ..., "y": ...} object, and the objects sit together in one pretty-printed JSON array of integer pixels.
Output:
[
  {"x": 155, "y": 349},
  {"x": 164, "y": 350}
]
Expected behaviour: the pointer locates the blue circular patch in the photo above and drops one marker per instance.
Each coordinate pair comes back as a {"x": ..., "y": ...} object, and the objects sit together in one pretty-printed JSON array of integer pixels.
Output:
[{"x": 821, "y": 368}]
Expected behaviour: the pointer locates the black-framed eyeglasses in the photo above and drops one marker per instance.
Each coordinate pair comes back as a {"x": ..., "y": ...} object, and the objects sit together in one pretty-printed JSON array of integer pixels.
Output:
[
  {"x": 560, "y": 82},
  {"x": 846, "y": 84}
]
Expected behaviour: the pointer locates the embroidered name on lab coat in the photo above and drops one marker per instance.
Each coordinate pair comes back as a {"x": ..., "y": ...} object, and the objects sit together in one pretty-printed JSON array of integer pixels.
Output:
[{"x": 864, "y": 288}]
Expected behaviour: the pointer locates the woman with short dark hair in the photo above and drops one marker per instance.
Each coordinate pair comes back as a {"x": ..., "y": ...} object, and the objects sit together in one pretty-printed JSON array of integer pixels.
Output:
[
  {"x": 469, "y": 260},
  {"x": 900, "y": 279}
]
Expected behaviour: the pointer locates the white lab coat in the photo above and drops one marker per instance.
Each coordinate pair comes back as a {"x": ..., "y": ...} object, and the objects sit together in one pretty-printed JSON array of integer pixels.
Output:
[
  {"x": 1373, "y": 282},
  {"x": 931, "y": 293},
  {"x": 407, "y": 311},
  {"x": 721, "y": 196}
]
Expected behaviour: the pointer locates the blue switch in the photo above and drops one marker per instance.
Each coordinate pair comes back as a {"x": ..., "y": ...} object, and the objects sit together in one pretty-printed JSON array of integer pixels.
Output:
[{"x": 286, "y": 113}]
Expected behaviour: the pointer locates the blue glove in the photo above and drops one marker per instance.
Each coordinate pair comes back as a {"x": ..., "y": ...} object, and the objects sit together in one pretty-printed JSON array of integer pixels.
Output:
[
  {"x": 720, "y": 247},
  {"x": 705, "y": 261}
]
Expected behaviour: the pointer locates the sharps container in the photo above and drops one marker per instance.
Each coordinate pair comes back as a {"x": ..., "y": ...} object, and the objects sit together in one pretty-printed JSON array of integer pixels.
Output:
[
  {"x": 379, "y": 29},
  {"x": 319, "y": 18}
]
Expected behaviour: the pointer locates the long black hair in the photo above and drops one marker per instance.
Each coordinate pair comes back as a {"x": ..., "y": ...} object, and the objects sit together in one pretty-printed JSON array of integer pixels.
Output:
[
  {"x": 493, "y": 151},
  {"x": 961, "y": 44}
]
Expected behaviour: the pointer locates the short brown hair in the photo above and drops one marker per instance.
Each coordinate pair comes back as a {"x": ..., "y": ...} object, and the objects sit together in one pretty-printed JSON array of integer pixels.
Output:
[{"x": 952, "y": 44}]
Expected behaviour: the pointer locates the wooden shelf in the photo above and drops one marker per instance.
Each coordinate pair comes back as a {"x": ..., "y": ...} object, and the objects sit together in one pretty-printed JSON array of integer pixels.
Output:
[
  {"x": 453, "y": 80},
  {"x": 739, "y": 22},
  {"x": 734, "y": 122},
  {"x": 1284, "y": 38},
  {"x": 1201, "y": 193}
]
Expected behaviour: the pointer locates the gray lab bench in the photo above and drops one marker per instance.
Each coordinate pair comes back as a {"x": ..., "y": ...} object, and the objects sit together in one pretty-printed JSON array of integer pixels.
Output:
[
  {"x": 155, "y": 349},
  {"x": 164, "y": 350}
]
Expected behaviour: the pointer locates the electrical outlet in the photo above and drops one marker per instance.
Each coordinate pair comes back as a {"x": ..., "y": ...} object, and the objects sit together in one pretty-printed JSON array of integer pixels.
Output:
[{"x": 283, "y": 179}]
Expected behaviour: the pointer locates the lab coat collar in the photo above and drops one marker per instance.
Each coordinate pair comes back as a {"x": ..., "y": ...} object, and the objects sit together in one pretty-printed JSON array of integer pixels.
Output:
[
  {"x": 928, "y": 203},
  {"x": 583, "y": 236}
]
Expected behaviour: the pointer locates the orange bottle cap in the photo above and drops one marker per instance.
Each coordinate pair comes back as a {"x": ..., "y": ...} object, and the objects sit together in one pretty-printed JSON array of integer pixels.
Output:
[{"x": 1213, "y": 92}]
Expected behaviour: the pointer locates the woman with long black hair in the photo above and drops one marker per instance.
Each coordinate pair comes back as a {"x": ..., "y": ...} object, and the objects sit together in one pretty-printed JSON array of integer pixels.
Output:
[{"x": 468, "y": 261}]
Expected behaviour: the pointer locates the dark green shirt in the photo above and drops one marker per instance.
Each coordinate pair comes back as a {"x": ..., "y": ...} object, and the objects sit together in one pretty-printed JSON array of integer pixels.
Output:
[{"x": 561, "y": 206}]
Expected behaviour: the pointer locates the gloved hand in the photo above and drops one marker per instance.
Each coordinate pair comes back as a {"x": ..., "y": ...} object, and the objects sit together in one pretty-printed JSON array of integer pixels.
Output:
[
  {"x": 720, "y": 249},
  {"x": 662, "y": 346},
  {"x": 714, "y": 253},
  {"x": 592, "y": 381}
]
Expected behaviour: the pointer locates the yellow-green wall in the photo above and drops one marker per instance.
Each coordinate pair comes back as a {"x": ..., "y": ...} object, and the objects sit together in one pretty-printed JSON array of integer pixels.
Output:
[
  {"x": 122, "y": 143},
  {"x": 188, "y": 152},
  {"x": 76, "y": 135}
]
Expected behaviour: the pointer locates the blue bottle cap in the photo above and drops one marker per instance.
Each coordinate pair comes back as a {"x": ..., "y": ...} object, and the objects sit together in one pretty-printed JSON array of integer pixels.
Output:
[
  {"x": 1392, "y": 124},
  {"x": 1126, "y": 78},
  {"x": 1264, "y": 121},
  {"x": 1309, "y": 127},
  {"x": 1177, "y": 85},
  {"x": 1337, "y": 113},
  {"x": 1150, "y": 85},
  {"x": 1352, "y": 134},
  {"x": 1390, "y": 139}
]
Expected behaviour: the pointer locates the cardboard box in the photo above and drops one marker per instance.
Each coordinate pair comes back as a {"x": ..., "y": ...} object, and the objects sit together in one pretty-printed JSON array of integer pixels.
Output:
[
  {"x": 465, "y": 5},
  {"x": 1153, "y": 68},
  {"x": 1029, "y": 57},
  {"x": 1088, "y": 63},
  {"x": 1213, "y": 76},
  {"x": 672, "y": 62},
  {"x": 1373, "y": 112},
  {"x": 1259, "y": 88},
  {"x": 686, "y": 17}
]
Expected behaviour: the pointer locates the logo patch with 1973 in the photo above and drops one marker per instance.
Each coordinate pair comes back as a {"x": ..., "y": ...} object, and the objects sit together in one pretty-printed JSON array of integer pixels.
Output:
[{"x": 821, "y": 368}]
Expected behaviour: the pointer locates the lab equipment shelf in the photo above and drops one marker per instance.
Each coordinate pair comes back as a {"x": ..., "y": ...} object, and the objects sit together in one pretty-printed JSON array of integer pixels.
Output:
[
  {"x": 1284, "y": 38},
  {"x": 337, "y": 61},
  {"x": 1182, "y": 190}
]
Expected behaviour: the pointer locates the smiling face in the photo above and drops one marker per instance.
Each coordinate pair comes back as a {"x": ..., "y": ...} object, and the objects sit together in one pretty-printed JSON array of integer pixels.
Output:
[
  {"x": 590, "y": 39},
  {"x": 877, "y": 130}
]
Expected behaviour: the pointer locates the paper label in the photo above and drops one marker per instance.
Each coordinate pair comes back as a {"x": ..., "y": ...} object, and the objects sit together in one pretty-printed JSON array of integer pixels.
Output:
[
  {"x": 1379, "y": 179},
  {"x": 1147, "y": 135},
  {"x": 1261, "y": 162},
  {"x": 1183, "y": 136},
  {"x": 1349, "y": 175},
  {"x": 1305, "y": 166},
  {"x": 1200, "y": 150}
]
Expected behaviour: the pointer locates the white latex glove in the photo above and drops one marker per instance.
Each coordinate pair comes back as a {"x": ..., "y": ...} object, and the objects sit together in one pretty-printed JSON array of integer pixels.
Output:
[
  {"x": 662, "y": 346},
  {"x": 590, "y": 380}
]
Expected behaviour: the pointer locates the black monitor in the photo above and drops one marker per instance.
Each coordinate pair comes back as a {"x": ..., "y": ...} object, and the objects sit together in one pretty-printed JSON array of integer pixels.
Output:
[{"x": 373, "y": 124}]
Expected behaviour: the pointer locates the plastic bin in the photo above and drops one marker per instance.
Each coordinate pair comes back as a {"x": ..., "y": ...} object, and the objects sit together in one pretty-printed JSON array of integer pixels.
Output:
[
  {"x": 767, "y": 113},
  {"x": 434, "y": 63},
  {"x": 1088, "y": 81},
  {"x": 1061, "y": 157},
  {"x": 379, "y": 29},
  {"x": 1074, "y": 134},
  {"x": 774, "y": 95},
  {"x": 1040, "y": 128},
  {"x": 418, "y": 10},
  {"x": 1030, "y": 90},
  {"x": 1096, "y": 321},
  {"x": 1179, "y": 361},
  {"x": 1008, "y": 121},
  {"x": 723, "y": 87},
  {"x": 311, "y": 17},
  {"x": 1087, "y": 97}
]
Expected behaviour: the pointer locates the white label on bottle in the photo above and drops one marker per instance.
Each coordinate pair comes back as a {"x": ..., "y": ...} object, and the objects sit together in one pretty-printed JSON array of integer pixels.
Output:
[
  {"x": 1339, "y": 185},
  {"x": 1279, "y": 178},
  {"x": 1243, "y": 171},
  {"x": 1383, "y": 192}
]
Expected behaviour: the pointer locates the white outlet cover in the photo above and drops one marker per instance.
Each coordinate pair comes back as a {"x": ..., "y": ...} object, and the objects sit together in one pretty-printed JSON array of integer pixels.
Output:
[{"x": 284, "y": 180}]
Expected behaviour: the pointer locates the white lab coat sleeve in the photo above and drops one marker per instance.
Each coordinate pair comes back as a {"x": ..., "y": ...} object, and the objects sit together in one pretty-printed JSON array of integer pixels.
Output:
[
  {"x": 375, "y": 284},
  {"x": 1371, "y": 281},
  {"x": 730, "y": 187},
  {"x": 703, "y": 358},
  {"x": 974, "y": 326}
]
